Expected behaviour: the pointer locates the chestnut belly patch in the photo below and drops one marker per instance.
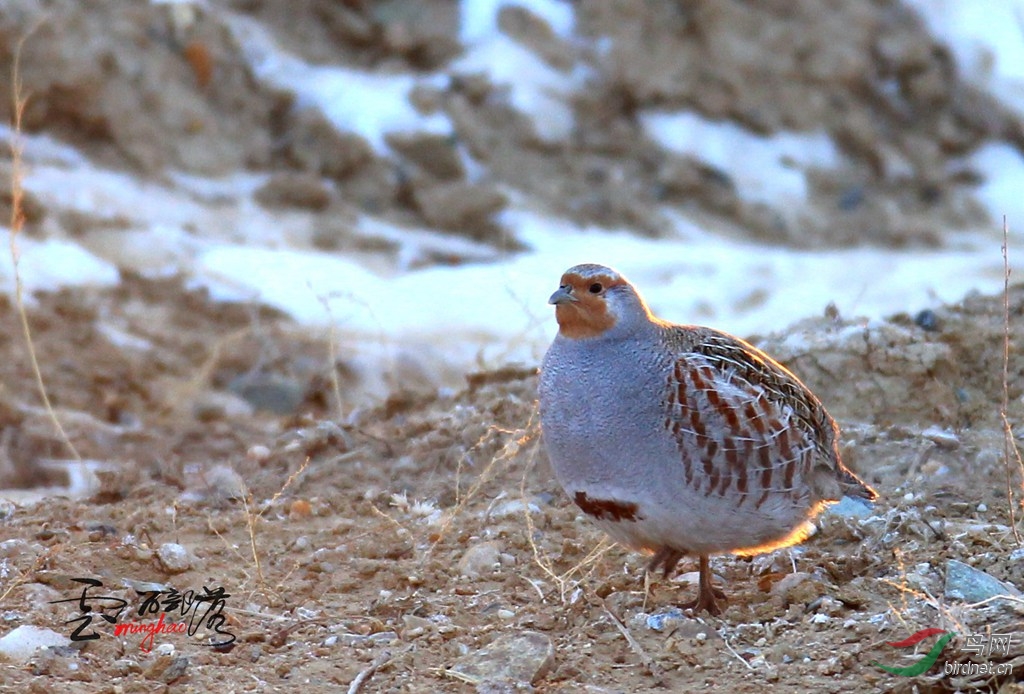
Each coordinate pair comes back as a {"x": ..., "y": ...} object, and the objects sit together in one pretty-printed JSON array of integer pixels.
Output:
[{"x": 607, "y": 509}]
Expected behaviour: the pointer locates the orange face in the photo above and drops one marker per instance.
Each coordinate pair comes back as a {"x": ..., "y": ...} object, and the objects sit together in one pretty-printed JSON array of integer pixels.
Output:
[{"x": 581, "y": 305}]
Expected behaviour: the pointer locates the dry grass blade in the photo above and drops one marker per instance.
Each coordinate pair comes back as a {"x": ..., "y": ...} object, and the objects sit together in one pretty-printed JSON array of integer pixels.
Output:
[
  {"x": 41, "y": 560},
  {"x": 250, "y": 519},
  {"x": 1010, "y": 450},
  {"x": 17, "y": 225}
]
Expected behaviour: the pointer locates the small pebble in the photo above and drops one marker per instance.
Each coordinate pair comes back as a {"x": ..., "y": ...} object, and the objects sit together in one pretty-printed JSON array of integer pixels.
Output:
[
  {"x": 258, "y": 453},
  {"x": 482, "y": 559},
  {"x": 300, "y": 508},
  {"x": 515, "y": 507},
  {"x": 966, "y": 583},
  {"x": 511, "y": 662},
  {"x": 174, "y": 558},
  {"x": 381, "y": 637},
  {"x": 941, "y": 437},
  {"x": 851, "y": 198},
  {"x": 224, "y": 482},
  {"x": 927, "y": 320},
  {"x": 167, "y": 669},
  {"x": 851, "y": 507},
  {"x": 412, "y": 623},
  {"x": 787, "y": 583},
  {"x": 665, "y": 620},
  {"x": 269, "y": 392}
]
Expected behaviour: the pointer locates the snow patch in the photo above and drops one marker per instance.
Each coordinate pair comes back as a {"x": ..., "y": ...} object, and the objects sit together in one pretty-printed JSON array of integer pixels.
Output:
[
  {"x": 534, "y": 87},
  {"x": 987, "y": 41},
  {"x": 1003, "y": 168},
  {"x": 768, "y": 169},
  {"x": 370, "y": 105},
  {"x": 52, "y": 264}
]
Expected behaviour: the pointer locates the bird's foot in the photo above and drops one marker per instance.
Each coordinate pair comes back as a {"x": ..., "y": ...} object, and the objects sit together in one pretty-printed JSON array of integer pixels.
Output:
[
  {"x": 708, "y": 596},
  {"x": 706, "y": 600}
]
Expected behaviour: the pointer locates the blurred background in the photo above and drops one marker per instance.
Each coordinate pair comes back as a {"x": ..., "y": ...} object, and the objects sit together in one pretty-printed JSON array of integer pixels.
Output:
[{"x": 415, "y": 175}]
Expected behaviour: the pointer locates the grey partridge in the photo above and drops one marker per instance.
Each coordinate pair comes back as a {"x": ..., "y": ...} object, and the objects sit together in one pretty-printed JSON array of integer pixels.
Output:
[{"x": 681, "y": 440}]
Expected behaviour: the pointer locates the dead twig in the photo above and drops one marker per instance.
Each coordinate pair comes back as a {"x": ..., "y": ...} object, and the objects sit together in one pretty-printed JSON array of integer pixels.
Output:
[
  {"x": 738, "y": 656},
  {"x": 648, "y": 662},
  {"x": 365, "y": 674}
]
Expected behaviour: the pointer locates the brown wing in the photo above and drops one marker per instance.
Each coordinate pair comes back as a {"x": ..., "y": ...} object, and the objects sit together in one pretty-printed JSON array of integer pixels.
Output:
[{"x": 747, "y": 428}]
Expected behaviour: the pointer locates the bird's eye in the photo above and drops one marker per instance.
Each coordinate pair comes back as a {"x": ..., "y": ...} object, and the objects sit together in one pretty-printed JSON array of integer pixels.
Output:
[{"x": 596, "y": 288}]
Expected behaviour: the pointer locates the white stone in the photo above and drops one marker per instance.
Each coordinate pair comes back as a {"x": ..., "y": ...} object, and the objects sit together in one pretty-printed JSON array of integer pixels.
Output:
[
  {"x": 174, "y": 558},
  {"x": 19, "y": 644}
]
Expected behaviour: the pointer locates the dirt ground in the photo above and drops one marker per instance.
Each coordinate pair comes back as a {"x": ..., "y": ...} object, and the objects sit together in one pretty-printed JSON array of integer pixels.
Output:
[{"x": 400, "y": 546}]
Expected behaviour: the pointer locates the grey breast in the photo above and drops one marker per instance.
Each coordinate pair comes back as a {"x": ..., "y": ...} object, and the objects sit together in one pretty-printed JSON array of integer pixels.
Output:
[{"x": 601, "y": 404}]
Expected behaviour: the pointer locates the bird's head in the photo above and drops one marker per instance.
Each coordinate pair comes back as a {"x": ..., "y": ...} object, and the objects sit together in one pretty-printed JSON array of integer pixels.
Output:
[{"x": 594, "y": 300}]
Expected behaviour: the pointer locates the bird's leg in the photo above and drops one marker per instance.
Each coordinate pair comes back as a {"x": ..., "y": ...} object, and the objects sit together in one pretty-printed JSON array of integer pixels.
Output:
[
  {"x": 707, "y": 594},
  {"x": 666, "y": 559}
]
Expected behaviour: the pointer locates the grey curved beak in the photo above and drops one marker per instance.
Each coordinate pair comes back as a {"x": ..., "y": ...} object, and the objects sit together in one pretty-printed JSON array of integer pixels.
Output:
[{"x": 562, "y": 295}]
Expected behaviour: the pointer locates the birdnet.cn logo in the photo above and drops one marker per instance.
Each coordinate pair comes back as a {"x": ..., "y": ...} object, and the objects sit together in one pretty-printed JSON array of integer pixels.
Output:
[{"x": 984, "y": 645}]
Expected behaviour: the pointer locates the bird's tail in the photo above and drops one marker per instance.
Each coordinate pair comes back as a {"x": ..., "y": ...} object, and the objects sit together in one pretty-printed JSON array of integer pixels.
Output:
[{"x": 855, "y": 486}]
